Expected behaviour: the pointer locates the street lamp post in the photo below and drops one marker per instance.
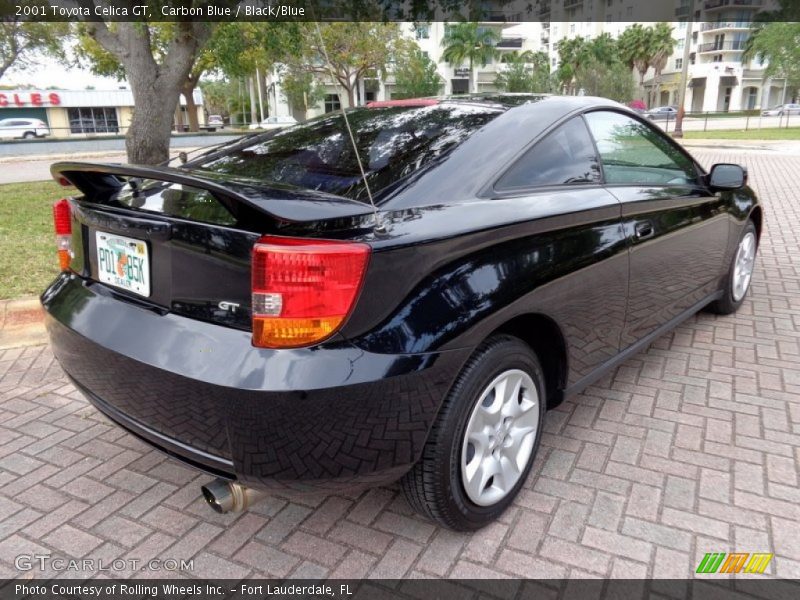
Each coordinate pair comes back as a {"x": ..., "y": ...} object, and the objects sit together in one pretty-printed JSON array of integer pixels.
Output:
[{"x": 687, "y": 46}]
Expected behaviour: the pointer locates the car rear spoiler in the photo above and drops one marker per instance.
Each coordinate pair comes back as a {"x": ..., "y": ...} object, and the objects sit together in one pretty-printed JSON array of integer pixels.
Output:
[{"x": 282, "y": 202}]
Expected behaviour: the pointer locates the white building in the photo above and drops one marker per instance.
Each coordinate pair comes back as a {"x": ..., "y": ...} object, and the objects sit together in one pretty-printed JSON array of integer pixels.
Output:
[
  {"x": 719, "y": 80},
  {"x": 517, "y": 37}
]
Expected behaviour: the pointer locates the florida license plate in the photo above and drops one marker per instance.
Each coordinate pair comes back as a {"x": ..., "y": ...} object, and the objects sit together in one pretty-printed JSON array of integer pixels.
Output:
[{"x": 123, "y": 263}]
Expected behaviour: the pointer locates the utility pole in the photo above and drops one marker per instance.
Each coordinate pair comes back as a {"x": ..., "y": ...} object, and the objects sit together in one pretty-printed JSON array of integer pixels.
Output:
[{"x": 687, "y": 46}]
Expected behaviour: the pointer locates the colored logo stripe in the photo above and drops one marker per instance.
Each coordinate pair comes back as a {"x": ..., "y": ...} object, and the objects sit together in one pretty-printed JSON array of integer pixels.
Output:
[{"x": 735, "y": 562}]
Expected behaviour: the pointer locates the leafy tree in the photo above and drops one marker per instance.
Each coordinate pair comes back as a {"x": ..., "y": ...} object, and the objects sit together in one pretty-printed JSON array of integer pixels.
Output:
[
  {"x": 301, "y": 89},
  {"x": 779, "y": 44},
  {"x": 606, "y": 79},
  {"x": 355, "y": 50},
  {"x": 471, "y": 43},
  {"x": 415, "y": 73},
  {"x": 22, "y": 42},
  {"x": 525, "y": 72},
  {"x": 157, "y": 60}
]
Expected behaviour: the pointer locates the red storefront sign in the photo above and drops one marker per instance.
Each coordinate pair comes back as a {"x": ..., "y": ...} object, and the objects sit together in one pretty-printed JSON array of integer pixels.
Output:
[{"x": 29, "y": 99}]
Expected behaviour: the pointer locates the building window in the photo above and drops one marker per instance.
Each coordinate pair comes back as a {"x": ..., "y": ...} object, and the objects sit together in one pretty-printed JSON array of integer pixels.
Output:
[
  {"x": 423, "y": 32},
  {"x": 678, "y": 63},
  {"x": 332, "y": 102},
  {"x": 572, "y": 28},
  {"x": 370, "y": 96},
  {"x": 717, "y": 58},
  {"x": 93, "y": 120},
  {"x": 629, "y": 11}
]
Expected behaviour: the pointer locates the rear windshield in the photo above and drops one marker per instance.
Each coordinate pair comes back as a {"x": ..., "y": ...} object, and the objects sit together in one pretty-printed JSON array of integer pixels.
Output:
[{"x": 392, "y": 143}]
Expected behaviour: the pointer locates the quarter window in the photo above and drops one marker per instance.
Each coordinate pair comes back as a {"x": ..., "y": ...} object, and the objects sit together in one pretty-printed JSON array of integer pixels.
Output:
[
  {"x": 634, "y": 153},
  {"x": 565, "y": 156}
]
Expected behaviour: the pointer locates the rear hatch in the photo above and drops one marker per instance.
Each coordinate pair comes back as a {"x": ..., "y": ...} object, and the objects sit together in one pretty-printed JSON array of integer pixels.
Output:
[{"x": 179, "y": 240}]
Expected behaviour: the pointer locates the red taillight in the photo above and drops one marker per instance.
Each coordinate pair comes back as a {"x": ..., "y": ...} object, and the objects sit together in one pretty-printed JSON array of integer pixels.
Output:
[
  {"x": 303, "y": 289},
  {"x": 62, "y": 221}
]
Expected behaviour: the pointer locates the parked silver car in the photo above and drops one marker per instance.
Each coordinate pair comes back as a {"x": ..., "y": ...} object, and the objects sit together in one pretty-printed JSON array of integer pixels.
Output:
[
  {"x": 23, "y": 128},
  {"x": 781, "y": 109},
  {"x": 662, "y": 112}
]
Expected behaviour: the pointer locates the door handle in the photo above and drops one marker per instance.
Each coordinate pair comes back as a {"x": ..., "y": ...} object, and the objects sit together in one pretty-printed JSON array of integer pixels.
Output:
[{"x": 644, "y": 229}]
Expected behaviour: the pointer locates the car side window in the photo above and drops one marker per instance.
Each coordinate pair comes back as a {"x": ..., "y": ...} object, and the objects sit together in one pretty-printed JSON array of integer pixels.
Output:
[
  {"x": 564, "y": 156},
  {"x": 633, "y": 153}
]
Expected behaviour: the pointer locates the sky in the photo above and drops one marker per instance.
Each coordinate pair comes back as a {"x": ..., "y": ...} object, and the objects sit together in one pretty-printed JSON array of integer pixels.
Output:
[{"x": 50, "y": 74}]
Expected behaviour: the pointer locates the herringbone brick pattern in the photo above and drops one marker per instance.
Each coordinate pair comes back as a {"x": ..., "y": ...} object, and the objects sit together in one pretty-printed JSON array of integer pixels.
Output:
[{"x": 690, "y": 447}]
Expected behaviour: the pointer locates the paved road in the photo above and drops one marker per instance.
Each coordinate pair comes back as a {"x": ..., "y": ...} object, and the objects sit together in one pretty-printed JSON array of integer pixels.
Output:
[
  {"x": 11, "y": 149},
  {"x": 690, "y": 447},
  {"x": 37, "y": 168}
]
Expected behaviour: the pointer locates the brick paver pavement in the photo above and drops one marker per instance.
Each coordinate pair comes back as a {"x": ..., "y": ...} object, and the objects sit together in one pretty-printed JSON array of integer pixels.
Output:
[{"x": 690, "y": 447}]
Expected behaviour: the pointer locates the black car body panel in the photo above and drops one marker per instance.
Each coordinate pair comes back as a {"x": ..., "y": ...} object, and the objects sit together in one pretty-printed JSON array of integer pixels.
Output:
[{"x": 591, "y": 272}]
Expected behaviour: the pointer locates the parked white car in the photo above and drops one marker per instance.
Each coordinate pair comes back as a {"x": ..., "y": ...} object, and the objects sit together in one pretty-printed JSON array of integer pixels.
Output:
[
  {"x": 216, "y": 121},
  {"x": 781, "y": 109},
  {"x": 23, "y": 128},
  {"x": 274, "y": 123}
]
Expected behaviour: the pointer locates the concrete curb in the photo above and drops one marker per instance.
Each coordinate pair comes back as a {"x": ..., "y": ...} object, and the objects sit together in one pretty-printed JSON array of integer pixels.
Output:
[{"x": 21, "y": 323}]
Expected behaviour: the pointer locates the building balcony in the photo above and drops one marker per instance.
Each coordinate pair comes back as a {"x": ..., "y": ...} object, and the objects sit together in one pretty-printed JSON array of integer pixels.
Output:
[
  {"x": 726, "y": 25},
  {"x": 736, "y": 46},
  {"x": 509, "y": 43},
  {"x": 720, "y": 4},
  {"x": 570, "y": 4},
  {"x": 682, "y": 12}
]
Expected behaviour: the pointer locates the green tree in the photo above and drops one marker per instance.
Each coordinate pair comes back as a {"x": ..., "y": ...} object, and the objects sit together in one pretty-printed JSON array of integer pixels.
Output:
[
  {"x": 22, "y": 43},
  {"x": 635, "y": 50},
  {"x": 301, "y": 89},
  {"x": 156, "y": 59},
  {"x": 572, "y": 54},
  {"x": 662, "y": 45},
  {"x": 524, "y": 72},
  {"x": 779, "y": 44},
  {"x": 471, "y": 43},
  {"x": 356, "y": 50},
  {"x": 415, "y": 74},
  {"x": 606, "y": 79}
]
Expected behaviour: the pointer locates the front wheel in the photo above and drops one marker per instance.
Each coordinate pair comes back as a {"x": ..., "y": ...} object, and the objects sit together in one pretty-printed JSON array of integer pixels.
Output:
[
  {"x": 483, "y": 443},
  {"x": 740, "y": 273}
]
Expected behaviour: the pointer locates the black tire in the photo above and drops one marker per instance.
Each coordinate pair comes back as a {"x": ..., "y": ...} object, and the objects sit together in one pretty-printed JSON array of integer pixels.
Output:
[
  {"x": 28, "y": 135},
  {"x": 434, "y": 485},
  {"x": 728, "y": 304}
]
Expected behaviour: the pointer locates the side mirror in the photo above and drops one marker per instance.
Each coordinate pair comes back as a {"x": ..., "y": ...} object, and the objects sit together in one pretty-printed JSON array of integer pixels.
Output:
[{"x": 725, "y": 176}]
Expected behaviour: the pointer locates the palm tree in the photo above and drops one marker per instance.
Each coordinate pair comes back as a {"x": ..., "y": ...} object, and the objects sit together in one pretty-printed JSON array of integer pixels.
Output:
[
  {"x": 572, "y": 54},
  {"x": 468, "y": 42},
  {"x": 662, "y": 47},
  {"x": 636, "y": 50}
]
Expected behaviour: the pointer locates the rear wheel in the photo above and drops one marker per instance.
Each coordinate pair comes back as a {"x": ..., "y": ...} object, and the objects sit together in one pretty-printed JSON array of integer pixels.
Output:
[
  {"x": 740, "y": 273},
  {"x": 28, "y": 135},
  {"x": 483, "y": 443}
]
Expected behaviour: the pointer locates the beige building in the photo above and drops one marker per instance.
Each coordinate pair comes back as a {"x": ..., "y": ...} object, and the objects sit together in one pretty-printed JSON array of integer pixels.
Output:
[{"x": 81, "y": 113}]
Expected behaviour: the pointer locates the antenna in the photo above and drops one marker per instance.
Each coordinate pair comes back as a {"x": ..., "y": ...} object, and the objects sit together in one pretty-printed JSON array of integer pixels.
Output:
[{"x": 378, "y": 226}]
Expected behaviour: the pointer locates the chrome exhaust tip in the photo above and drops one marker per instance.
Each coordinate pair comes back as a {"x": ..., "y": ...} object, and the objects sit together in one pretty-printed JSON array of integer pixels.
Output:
[{"x": 229, "y": 496}]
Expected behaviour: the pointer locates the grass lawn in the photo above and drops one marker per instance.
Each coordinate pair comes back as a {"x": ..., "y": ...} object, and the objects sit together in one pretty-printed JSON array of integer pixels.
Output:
[
  {"x": 792, "y": 133},
  {"x": 28, "y": 259}
]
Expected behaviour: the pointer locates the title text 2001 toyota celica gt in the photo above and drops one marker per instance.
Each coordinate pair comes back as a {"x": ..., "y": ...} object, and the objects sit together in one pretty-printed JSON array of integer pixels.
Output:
[{"x": 252, "y": 314}]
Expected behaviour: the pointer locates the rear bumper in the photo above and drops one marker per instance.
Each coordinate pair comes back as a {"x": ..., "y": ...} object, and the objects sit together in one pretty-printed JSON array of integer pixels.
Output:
[{"x": 326, "y": 417}]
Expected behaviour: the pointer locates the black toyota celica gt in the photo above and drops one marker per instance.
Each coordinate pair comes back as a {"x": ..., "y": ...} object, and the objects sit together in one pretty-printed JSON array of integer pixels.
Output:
[{"x": 269, "y": 315}]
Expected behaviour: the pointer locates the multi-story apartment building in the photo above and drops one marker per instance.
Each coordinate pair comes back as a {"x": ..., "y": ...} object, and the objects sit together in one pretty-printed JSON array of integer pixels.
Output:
[{"x": 719, "y": 79}]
